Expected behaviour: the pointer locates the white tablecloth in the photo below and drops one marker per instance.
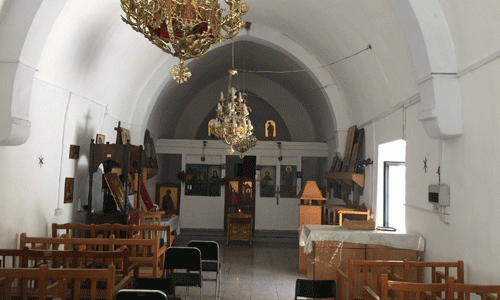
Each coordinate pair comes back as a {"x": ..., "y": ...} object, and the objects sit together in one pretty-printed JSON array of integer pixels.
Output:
[
  {"x": 172, "y": 220},
  {"x": 400, "y": 240}
]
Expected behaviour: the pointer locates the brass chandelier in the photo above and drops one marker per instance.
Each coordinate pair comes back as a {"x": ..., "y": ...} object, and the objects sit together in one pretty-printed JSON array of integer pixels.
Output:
[
  {"x": 232, "y": 124},
  {"x": 245, "y": 144},
  {"x": 184, "y": 28}
]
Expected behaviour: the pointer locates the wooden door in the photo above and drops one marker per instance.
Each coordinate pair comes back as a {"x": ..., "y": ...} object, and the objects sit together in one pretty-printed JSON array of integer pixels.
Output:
[{"x": 240, "y": 197}]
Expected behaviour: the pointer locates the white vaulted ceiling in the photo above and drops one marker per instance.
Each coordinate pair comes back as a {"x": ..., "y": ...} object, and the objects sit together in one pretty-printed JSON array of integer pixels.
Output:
[{"x": 85, "y": 48}]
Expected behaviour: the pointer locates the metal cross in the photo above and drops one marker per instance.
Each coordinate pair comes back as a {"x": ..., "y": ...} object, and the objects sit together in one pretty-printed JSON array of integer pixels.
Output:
[
  {"x": 425, "y": 165},
  {"x": 40, "y": 161}
]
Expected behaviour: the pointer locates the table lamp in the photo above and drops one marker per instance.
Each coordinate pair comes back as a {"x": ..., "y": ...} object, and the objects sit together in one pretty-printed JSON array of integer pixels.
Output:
[{"x": 310, "y": 191}]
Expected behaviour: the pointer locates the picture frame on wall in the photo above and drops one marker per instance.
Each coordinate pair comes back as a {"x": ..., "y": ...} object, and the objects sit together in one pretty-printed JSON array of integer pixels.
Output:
[
  {"x": 202, "y": 180},
  {"x": 168, "y": 198},
  {"x": 74, "y": 151}
]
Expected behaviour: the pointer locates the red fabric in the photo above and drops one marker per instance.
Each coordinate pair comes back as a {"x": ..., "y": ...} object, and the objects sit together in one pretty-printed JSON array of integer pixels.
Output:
[
  {"x": 133, "y": 217},
  {"x": 144, "y": 192}
]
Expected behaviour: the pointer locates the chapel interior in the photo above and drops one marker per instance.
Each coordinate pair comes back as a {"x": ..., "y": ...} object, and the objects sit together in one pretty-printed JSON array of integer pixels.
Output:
[{"x": 364, "y": 127}]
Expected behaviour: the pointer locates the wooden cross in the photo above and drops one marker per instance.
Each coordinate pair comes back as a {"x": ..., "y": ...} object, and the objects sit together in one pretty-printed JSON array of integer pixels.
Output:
[
  {"x": 119, "y": 134},
  {"x": 277, "y": 193}
]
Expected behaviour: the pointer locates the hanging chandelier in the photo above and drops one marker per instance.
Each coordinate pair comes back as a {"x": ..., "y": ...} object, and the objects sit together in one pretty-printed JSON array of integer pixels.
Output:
[
  {"x": 184, "y": 28},
  {"x": 232, "y": 124},
  {"x": 245, "y": 144}
]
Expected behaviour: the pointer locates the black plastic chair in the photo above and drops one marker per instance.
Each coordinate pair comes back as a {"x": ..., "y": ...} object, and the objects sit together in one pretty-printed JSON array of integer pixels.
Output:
[
  {"x": 210, "y": 261},
  {"x": 165, "y": 285},
  {"x": 188, "y": 259},
  {"x": 136, "y": 294},
  {"x": 315, "y": 288}
]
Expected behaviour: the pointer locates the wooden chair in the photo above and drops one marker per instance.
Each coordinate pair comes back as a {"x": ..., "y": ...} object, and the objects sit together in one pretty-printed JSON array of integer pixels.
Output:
[
  {"x": 406, "y": 290},
  {"x": 464, "y": 291}
]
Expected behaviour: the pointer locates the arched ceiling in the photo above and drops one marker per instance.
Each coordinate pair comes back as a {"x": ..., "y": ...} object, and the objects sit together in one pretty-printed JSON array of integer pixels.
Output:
[
  {"x": 84, "y": 47},
  {"x": 182, "y": 108}
]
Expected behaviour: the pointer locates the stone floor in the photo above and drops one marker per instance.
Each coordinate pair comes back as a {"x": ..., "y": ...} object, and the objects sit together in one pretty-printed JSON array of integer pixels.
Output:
[{"x": 265, "y": 270}]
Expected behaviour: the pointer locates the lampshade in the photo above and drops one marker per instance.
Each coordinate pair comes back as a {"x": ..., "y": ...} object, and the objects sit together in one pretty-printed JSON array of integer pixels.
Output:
[{"x": 310, "y": 191}]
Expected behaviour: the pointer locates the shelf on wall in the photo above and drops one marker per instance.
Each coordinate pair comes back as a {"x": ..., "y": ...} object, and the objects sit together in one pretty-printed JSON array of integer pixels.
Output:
[{"x": 347, "y": 177}]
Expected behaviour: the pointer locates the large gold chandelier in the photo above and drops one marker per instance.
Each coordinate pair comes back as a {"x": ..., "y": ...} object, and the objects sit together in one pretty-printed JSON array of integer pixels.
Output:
[
  {"x": 184, "y": 28},
  {"x": 232, "y": 124}
]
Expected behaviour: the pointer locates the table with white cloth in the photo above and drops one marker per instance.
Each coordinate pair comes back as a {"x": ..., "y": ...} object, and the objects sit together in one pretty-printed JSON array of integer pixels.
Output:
[
  {"x": 329, "y": 247},
  {"x": 172, "y": 220}
]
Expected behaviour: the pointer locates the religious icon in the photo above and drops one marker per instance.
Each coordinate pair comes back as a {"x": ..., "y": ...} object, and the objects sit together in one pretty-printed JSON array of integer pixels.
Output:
[
  {"x": 288, "y": 181},
  {"x": 125, "y": 136},
  {"x": 74, "y": 151},
  {"x": 69, "y": 185},
  {"x": 270, "y": 129},
  {"x": 267, "y": 181},
  {"x": 168, "y": 198},
  {"x": 99, "y": 139}
]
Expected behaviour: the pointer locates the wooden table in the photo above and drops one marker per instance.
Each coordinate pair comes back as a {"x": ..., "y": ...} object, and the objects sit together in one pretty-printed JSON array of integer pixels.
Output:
[
  {"x": 239, "y": 227},
  {"x": 333, "y": 214}
]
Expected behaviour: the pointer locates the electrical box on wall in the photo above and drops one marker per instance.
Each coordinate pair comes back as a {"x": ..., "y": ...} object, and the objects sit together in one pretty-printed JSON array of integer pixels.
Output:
[{"x": 439, "y": 194}]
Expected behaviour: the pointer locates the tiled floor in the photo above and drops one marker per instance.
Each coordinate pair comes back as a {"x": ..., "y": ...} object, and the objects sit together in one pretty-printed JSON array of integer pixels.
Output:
[{"x": 262, "y": 271}]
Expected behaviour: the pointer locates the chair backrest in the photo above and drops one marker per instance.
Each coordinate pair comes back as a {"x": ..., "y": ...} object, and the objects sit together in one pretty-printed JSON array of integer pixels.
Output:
[
  {"x": 464, "y": 291},
  {"x": 188, "y": 258},
  {"x": 411, "y": 290},
  {"x": 209, "y": 249},
  {"x": 136, "y": 294},
  {"x": 438, "y": 270},
  {"x": 165, "y": 285},
  {"x": 315, "y": 288}
]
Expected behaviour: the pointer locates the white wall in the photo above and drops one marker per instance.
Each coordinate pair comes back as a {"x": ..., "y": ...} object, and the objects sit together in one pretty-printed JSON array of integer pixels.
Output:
[
  {"x": 469, "y": 164},
  {"x": 208, "y": 212}
]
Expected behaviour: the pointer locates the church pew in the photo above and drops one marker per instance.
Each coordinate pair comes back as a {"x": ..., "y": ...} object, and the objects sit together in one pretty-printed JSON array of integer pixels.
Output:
[
  {"x": 48, "y": 283},
  {"x": 416, "y": 272},
  {"x": 457, "y": 290},
  {"x": 365, "y": 273},
  {"x": 146, "y": 252},
  {"x": 394, "y": 289},
  {"x": 368, "y": 273},
  {"x": 78, "y": 230}
]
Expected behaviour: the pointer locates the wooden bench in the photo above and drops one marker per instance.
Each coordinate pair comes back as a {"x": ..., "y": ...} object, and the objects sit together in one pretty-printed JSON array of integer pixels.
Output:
[
  {"x": 457, "y": 290},
  {"x": 47, "y": 283},
  {"x": 365, "y": 273},
  {"x": 362, "y": 273},
  {"x": 78, "y": 230},
  {"x": 391, "y": 289},
  {"x": 29, "y": 258},
  {"x": 414, "y": 272},
  {"x": 146, "y": 252},
  {"x": 449, "y": 289}
]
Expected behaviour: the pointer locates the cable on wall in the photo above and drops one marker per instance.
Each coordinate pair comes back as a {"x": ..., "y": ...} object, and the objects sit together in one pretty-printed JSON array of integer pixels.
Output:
[{"x": 369, "y": 47}]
